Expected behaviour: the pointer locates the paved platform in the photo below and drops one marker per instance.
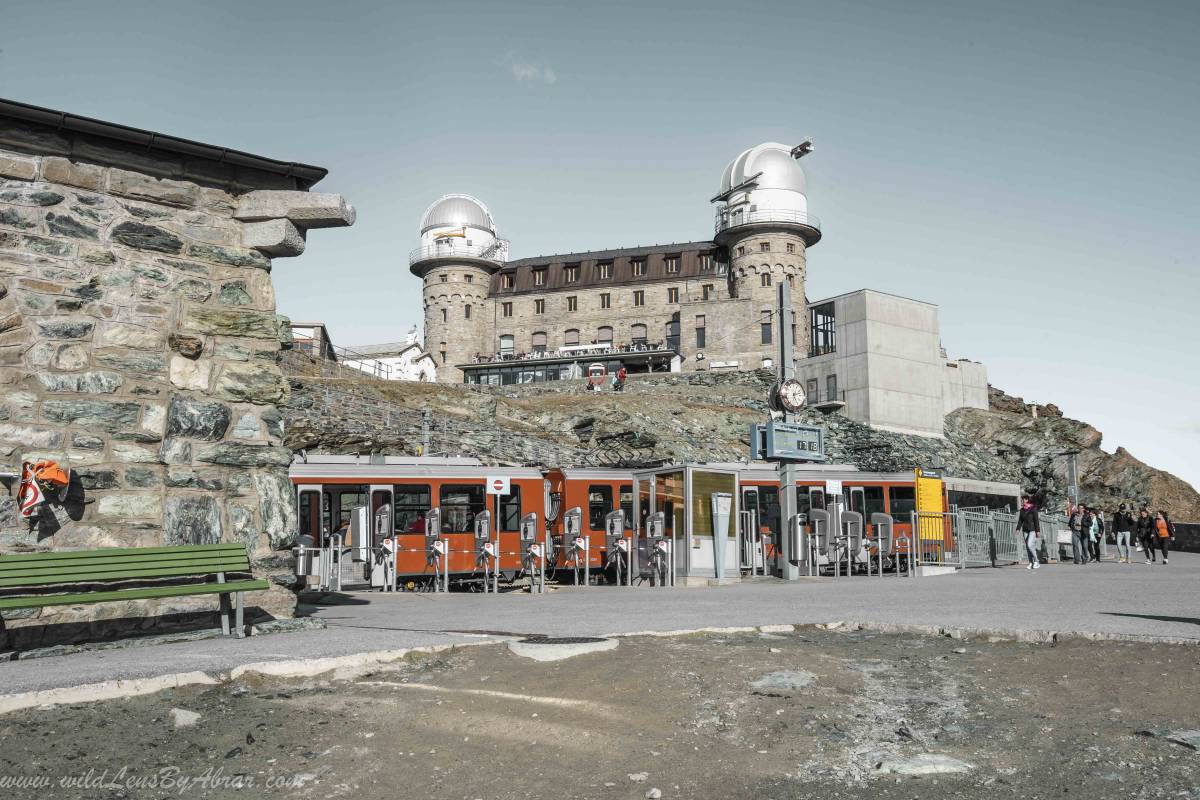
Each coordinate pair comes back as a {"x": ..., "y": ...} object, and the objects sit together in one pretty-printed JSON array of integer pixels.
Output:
[{"x": 1133, "y": 600}]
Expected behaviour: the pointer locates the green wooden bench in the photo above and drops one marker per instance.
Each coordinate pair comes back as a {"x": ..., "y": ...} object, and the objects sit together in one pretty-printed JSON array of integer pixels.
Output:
[{"x": 82, "y": 577}]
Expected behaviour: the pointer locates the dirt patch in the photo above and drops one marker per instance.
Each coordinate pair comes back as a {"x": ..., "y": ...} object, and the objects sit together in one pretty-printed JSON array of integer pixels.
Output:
[{"x": 812, "y": 714}]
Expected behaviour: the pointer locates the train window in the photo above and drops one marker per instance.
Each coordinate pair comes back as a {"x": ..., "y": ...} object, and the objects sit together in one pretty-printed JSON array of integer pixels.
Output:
[
  {"x": 348, "y": 500},
  {"x": 411, "y": 503},
  {"x": 768, "y": 508},
  {"x": 814, "y": 495},
  {"x": 625, "y": 495},
  {"x": 460, "y": 503},
  {"x": 902, "y": 501},
  {"x": 803, "y": 503},
  {"x": 873, "y": 499},
  {"x": 310, "y": 511},
  {"x": 599, "y": 504},
  {"x": 510, "y": 510}
]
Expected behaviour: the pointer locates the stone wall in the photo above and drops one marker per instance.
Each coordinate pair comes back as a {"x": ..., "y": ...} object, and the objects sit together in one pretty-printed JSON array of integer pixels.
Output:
[{"x": 139, "y": 343}]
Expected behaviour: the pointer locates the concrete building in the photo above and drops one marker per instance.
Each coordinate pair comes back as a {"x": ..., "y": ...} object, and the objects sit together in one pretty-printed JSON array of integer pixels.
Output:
[{"x": 691, "y": 306}]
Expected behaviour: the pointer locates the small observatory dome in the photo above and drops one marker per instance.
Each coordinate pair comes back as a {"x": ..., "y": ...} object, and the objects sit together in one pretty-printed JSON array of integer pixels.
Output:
[
  {"x": 458, "y": 211},
  {"x": 766, "y": 185}
]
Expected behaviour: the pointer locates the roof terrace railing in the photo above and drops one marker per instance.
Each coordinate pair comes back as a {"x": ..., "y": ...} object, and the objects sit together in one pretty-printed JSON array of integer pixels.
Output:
[
  {"x": 726, "y": 219},
  {"x": 495, "y": 252}
]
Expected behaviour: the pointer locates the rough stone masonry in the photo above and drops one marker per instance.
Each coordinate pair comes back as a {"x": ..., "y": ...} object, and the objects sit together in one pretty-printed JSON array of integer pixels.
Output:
[{"x": 138, "y": 335}]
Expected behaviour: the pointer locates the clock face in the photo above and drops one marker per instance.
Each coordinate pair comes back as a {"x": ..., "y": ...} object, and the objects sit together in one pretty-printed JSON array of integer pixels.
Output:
[{"x": 791, "y": 395}]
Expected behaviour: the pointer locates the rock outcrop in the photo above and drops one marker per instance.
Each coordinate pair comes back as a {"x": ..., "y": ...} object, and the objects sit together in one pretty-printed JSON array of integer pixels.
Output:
[{"x": 697, "y": 417}]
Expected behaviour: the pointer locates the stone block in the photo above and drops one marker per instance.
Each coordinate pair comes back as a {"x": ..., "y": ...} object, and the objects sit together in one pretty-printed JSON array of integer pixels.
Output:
[
  {"x": 194, "y": 289},
  {"x": 72, "y": 173},
  {"x": 251, "y": 383},
  {"x": 65, "y": 328},
  {"x": 93, "y": 414},
  {"x": 276, "y": 238},
  {"x": 245, "y": 455},
  {"x": 304, "y": 209},
  {"x": 129, "y": 453},
  {"x": 134, "y": 336},
  {"x": 64, "y": 225},
  {"x": 83, "y": 382},
  {"x": 137, "y": 186},
  {"x": 19, "y": 167},
  {"x": 229, "y": 256},
  {"x": 31, "y": 197},
  {"x": 188, "y": 374},
  {"x": 97, "y": 478},
  {"x": 28, "y": 436},
  {"x": 230, "y": 322},
  {"x": 276, "y": 505},
  {"x": 247, "y": 427},
  {"x": 197, "y": 419},
  {"x": 130, "y": 505},
  {"x": 191, "y": 519},
  {"x": 140, "y": 236}
]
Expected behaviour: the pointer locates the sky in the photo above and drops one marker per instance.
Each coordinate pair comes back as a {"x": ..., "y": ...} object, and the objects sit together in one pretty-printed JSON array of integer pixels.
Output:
[{"x": 1030, "y": 167}]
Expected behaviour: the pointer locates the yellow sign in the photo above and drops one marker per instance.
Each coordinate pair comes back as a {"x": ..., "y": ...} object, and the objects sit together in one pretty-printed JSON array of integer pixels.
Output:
[
  {"x": 930, "y": 501},
  {"x": 460, "y": 233}
]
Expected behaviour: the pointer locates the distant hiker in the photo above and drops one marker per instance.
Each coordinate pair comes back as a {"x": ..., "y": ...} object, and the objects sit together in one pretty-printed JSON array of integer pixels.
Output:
[
  {"x": 1075, "y": 523},
  {"x": 1027, "y": 524},
  {"x": 1122, "y": 526},
  {"x": 621, "y": 375},
  {"x": 1097, "y": 534},
  {"x": 1164, "y": 531},
  {"x": 1145, "y": 530}
]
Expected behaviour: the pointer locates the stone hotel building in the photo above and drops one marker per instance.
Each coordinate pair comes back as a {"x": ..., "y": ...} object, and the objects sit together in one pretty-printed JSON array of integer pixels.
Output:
[{"x": 703, "y": 305}]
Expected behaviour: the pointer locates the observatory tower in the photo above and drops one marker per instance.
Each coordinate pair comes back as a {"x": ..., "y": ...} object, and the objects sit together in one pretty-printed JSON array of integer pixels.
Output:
[
  {"x": 762, "y": 220},
  {"x": 459, "y": 253}
]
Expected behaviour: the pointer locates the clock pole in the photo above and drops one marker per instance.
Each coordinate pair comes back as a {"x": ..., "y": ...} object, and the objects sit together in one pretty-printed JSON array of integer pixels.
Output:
[{"x": 785, "y": 369}]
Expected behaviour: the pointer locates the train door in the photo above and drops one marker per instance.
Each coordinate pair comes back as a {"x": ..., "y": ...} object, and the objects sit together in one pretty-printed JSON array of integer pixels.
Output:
[
  {"x": 312, "y": 513},
  {"x": 381, "y": 513},
  {"x": 343, "y": 499}
]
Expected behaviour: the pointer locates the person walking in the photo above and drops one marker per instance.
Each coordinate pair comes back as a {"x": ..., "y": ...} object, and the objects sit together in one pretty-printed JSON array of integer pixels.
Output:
[
  {"x": 1097, "y": 533},
  {"x": 1145, "y": 533},
  {"x": 1075, "y": 523},
  {"x": 1163, "y": 531},
  {"x": 1122, "y": 526},
  {"x": 1027, "y": 524}
]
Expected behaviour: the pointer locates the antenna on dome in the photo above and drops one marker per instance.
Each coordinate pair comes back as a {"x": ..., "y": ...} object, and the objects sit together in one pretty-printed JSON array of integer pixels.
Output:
[{"x": 802, "y": 149}]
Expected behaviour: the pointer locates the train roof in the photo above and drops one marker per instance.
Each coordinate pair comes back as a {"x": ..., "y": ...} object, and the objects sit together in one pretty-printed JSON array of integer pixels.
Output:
[{"x": 318, "y": 467}]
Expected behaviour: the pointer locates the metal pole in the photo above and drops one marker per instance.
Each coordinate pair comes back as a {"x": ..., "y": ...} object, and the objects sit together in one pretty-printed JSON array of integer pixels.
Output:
[{"x": 786, "y": 368}]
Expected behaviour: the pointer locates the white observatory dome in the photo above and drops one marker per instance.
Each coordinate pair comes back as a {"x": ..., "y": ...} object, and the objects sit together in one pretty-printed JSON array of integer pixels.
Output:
[
  {"x": 779, "y": 170},
  {"x": 458, "y": 211}
]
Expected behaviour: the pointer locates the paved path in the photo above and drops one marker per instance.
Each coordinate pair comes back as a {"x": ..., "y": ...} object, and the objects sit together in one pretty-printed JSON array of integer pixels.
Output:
[{"x": 1104, "y": 598}]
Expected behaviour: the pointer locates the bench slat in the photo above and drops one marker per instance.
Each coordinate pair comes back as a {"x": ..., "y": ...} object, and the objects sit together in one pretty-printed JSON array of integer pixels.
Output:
[
  {"x": 142, "y": 593},
  {"x": 118, "y": 551},
  {"x": 94, "y": 575},
  {"x": 102, "y": 564}
]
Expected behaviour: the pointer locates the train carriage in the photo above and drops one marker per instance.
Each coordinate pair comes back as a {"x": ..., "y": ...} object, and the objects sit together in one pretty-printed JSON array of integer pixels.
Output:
[
  {"x": 596, "y": 493},
  {"x": 329, "y": 487}
]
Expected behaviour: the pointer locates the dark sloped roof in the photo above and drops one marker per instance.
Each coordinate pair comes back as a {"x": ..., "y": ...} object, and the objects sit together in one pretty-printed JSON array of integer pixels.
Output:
[
  {"x": 601, "y": 255},
  {"x": 554, "y": 275},
  {"x": 305, "y": 175}
]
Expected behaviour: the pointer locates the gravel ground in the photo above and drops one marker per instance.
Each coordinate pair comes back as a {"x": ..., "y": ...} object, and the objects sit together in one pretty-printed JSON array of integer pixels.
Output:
[{"x": 810, "y": 714}]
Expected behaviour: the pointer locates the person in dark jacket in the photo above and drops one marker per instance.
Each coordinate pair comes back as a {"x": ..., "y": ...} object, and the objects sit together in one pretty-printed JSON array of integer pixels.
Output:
[
  {"x": 1144, "y": 527},
  {"x": 1028, "y": 525},
  {"x": 1075, "y": 523},
  {"x": 1122, "y": 526}
]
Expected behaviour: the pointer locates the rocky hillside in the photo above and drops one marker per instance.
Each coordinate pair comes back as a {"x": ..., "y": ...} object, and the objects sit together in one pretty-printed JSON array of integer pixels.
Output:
[{"x": 698, "y": 417}]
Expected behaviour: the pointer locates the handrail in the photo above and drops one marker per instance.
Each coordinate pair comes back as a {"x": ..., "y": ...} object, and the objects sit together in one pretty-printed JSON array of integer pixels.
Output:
[
  {"x": 726, "y": 219},
  {"x": 494, "y": 252}
]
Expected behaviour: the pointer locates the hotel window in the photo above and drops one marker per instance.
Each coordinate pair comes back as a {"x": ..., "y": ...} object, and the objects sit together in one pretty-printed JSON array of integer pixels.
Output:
[
  {"x": 604, "y": 271},
  {"x": 606, "y": 300},
  {"x": 700, "y": 337},
  {"x": 791, "y": 247},
  {"x": 811, "y": 391},
  {"x": 639, "y": 298},
  {"x": 466, "y": 312},
  {"x": 443, "y": 352},
  {"x": 672, "y": 329},
  {"x": 507, "y": 341},
  {"x": 637, "y": 334},
  {"x": 539, "y": 277},
  {"x": 765, "y": 278},
  {"x": 764, "y": 247},
  {"x": 571, "y": 273},
  {"x": 539, "y": 306},
  {"x": 765, "y": 327},
  {"x": 445, "y": 315},
  {"x": 707, "y": 289},
  {"x": 444, "y": 277},
  {"x": 604, "y": 335},
  {"x": 539, "y": 342},
  {"x": 672, "y": 263},
  {"x": 639, "y": 267},
  {"x": 831, "y": 392},
  {"x": 571, "y": 337},
  {"x": 705, "y": 262},
  {"x": 672, "y": 295},
  {"x": 506, "y": 280},
  {"x": 470, "y": 278},
  {"x": 572, "y": 303},
  {"x": 506, "y": 309},
  {"x": 741, "y": 251}
]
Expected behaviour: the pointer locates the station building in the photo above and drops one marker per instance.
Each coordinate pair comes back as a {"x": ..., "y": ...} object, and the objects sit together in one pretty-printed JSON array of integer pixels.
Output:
[{"x": 690, "y": 306}]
